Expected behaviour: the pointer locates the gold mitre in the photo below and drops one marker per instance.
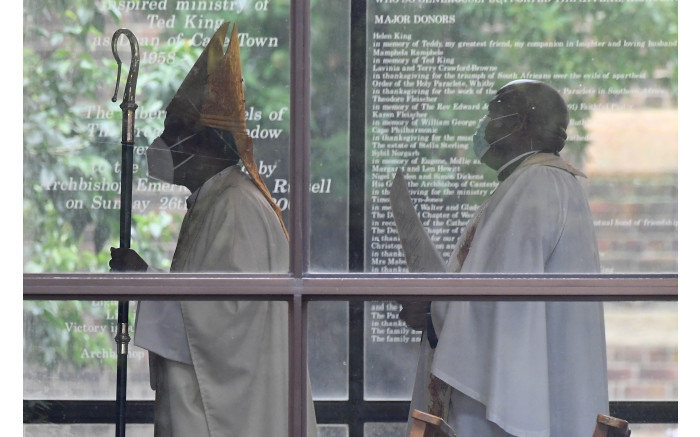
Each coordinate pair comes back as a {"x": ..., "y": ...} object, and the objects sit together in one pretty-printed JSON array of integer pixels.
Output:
[
  {"x": 187, "y": 102},
  {"x": 212, "y": 94}
]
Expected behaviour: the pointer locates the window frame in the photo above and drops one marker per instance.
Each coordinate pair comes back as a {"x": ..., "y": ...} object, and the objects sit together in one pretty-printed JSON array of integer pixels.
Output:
[
  {"x": 299, "y": 286},
  {"x": 299, "y": 289}
]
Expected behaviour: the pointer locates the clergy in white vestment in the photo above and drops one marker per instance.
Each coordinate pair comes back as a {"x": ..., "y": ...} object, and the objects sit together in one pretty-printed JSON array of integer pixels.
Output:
[
  {"x": 219, "y": 369},
  {"x": 519, "y": 368}
]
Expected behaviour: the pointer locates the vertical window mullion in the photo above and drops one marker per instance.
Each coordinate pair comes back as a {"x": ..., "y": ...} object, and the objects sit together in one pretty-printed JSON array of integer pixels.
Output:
[
  {"x": 299, "y": 156},
  {"x": 358, "y": 46},
  {"x": 300, "y": 86},
  {"x": 356, "y": 210}
]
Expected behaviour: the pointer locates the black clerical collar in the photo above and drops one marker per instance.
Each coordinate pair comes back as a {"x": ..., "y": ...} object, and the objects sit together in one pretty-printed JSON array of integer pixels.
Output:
[
  {"x": 192, "y": 199},
  {"x": 509, "y": 167}
]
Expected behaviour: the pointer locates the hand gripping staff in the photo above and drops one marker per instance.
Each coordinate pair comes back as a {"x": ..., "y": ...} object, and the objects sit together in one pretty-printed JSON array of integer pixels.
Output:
[{"x": 128, "y": 111}]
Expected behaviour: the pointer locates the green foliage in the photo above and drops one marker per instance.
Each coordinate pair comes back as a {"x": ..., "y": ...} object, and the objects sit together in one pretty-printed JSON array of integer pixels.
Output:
[
  {"x": 69, "y": 74},
  {"x": 159, "y": 230},
  {"x": 72, "y": 136},
  {"x": 54, "y": 335},
  {"x": 59, "y": 77},
  {"x": 572, "y": 23},
  {"x": 68, "y": 71},
  {"x": 62, "y": 82},
  {"x": 329, "y": 91}
]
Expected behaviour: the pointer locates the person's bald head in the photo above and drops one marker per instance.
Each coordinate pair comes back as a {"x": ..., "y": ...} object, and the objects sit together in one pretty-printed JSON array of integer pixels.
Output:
[{"x": 542, "y": 115}]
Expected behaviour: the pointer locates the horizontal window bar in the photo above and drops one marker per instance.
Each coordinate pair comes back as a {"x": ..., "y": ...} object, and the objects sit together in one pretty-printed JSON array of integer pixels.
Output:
[
  {"x": 86, "y": 411},
  {"x": 349, "y": 286}
]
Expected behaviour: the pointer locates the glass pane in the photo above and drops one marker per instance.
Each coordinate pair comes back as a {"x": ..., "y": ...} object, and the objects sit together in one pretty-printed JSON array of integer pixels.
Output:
[
  {"x": 70, "y": 352},
  {"x": 384, "y": 429},
  {"x": 642, "y": 347},
  {"x": 431, "y": 71},
  {"x": 332, "y": 431},
  {"x": 217, "y": 347},
  {"x": 67, "y": 342},
  {"x": 84, "y": 430},
  {"x": 330, "y": 113},
  {"x": 72, "y": 131},
  {"x": 391, "y": 353},
  {"x": 654, "y": 429},
  {"x": 327, "y": 334},
  {"x": 639, "y": 430},
  {"x": 135, "y": 430}
]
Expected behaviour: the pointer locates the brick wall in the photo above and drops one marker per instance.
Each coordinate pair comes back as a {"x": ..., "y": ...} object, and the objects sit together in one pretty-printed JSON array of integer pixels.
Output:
[{"x": 632, "y": 164}]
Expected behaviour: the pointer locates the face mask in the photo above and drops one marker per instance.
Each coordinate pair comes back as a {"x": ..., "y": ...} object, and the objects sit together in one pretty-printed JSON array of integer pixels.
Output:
[
  {"x": 481, "y": 146},
  {"x": 160, "y": 159}
]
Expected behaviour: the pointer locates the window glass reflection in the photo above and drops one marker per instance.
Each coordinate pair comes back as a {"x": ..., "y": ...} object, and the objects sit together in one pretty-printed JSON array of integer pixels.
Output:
[
  {"x": 431, "y": 73},
  {"x": 72, "y": 158},
  {"x": 391, "y": 353},
  {"x": 379, "y": 429},
  {"x": 332, "y": 430},
  {"x": 641, "y": 348},
  {"x": 384, "y": 429},
  {"x": 330, "y": 136},
  {"x": 84, "y": 430},
  {"x": 328, "y": 349},
  {"x": 70, "y": 353}
]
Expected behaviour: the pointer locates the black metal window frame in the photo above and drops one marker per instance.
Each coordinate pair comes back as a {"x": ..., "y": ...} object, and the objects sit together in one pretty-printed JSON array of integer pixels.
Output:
[
  {"x": 299, "y": 287},
  {"x": 355, "y": 288}
]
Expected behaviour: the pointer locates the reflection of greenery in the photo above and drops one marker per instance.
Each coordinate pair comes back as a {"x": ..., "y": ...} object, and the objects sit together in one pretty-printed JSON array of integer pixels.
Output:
[
  {"x": 69, "y": 74},
  {"x": 57, "y": 76},
  {"x": 65, "y": 75},
  {"x": 55, "y": 331},
  {"x": 62, "y": 84},
  {"x": 158, "y": 228},
  {"x": 558, "y": 22},
  {"x": 68, "y": 77},
  {"x": 329, "y": 124}
]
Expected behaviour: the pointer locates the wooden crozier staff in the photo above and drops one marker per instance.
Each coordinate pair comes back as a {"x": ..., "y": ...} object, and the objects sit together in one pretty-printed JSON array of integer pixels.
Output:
[{"x": 128, "y": 111}]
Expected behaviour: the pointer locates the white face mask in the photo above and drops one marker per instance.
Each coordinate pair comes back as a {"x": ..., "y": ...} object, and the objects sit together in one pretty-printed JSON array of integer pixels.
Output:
[{"x": 160, "y": 160}]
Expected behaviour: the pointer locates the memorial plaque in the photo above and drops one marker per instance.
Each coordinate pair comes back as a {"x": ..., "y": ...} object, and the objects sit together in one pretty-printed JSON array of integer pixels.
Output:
[{"x": 433, "y": 66}]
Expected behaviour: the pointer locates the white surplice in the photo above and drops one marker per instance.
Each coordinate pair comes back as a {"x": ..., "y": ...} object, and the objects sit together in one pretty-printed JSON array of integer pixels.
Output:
[
  {"x": 530, "y": 369},
  {"x": 239, "y": 349}
]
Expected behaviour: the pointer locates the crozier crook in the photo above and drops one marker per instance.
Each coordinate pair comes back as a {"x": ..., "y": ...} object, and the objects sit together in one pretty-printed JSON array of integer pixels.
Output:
[{"x": 128, "y": 107}]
